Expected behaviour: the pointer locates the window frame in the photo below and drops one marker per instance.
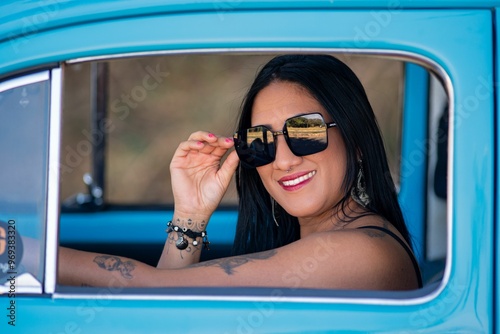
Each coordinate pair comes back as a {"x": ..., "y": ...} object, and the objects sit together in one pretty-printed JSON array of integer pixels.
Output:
[
  {"x": 50, "y": 229},
  {"x": 357, "y": 297},
  {"x": 52, "y": 223}
]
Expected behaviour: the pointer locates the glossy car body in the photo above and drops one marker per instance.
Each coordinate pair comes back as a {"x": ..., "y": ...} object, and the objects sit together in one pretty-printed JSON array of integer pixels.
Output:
[{"x": 455, "y": 40}]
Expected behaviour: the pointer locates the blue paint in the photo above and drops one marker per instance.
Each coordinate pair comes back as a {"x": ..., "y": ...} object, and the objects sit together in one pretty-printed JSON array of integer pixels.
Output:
[{"x": 460, "y": 41}]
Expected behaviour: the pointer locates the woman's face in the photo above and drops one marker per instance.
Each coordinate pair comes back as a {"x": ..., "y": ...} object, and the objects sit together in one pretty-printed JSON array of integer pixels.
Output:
[{"x": 322, "y": 173}]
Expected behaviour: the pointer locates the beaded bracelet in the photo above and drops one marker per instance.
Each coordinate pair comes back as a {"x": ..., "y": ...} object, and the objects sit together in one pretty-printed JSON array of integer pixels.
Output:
[{"x": 181, "y": 242}]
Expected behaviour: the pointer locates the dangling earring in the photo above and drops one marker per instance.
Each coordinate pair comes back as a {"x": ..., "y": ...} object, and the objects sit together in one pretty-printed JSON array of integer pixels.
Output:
[
  {"x": 358, "y": 192},
  {"x": 272, "y": 209}
]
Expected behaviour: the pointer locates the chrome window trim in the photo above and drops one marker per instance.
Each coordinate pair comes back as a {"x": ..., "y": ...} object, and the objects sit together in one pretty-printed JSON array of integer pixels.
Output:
[
  {"x": 24, "y": 80},
  {"x": 394, "y": 54},
  {"x": 52, "y": 221}
]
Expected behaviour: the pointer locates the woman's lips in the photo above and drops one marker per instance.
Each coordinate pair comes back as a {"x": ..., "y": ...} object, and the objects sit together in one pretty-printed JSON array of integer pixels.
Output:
[{"x": 295, "y": 181}]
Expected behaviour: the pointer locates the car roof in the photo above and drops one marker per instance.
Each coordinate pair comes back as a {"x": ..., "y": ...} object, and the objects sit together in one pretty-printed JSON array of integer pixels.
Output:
[{"x": 20, "y": 18}]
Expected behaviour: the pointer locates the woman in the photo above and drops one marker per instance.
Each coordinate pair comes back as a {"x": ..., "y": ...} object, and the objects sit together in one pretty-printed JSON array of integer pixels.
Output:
[{"x": 318, "y": 208}]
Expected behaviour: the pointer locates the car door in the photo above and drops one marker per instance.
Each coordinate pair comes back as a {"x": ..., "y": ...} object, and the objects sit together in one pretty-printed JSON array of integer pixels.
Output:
[{"x": 455, "y": 45}]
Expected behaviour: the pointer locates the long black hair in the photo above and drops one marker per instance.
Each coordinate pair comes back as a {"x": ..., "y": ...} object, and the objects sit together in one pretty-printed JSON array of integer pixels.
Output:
[{"x": 335, "y": 86}]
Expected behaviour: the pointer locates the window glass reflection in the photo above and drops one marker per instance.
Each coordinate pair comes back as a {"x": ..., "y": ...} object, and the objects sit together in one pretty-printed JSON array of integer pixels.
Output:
[{"x": 24, "y": 114}]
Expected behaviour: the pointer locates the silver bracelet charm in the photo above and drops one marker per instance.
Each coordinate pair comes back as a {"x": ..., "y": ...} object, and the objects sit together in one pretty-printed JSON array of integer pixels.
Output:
[{"x": 182, "y": 232}]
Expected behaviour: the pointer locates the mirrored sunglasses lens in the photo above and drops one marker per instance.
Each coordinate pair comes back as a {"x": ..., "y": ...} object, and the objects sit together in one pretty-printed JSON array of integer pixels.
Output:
[
  {"x": 307, "y": 134},
  {"x": 255, "y": 146}
]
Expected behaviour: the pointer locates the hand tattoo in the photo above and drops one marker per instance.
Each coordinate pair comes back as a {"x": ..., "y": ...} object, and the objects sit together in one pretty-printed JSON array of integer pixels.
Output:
[{"x": 114, "y": 263}]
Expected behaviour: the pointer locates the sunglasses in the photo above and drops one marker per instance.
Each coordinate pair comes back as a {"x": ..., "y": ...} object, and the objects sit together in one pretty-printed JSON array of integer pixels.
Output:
[{"x": 304, "y": 134}]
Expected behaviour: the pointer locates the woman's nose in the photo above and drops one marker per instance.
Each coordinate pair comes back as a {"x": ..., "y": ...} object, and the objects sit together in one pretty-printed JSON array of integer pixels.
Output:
[{"x": 285, "y": 159}]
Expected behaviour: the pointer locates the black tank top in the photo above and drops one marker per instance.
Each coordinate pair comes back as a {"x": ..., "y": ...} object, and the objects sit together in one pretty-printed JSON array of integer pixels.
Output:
[{"x": 401, "y": 242}]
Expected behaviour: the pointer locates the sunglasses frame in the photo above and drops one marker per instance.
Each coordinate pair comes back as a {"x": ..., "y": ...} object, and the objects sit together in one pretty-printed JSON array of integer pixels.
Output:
[{"x": 283, "y": 132}]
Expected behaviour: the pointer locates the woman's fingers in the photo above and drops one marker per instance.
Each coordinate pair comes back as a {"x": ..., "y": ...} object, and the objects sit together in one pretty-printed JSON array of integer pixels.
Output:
[
  {"x": 217, "y": 147},
  {"x": 199, "y": 180},
  {"x": 197, "y": 141},
  {"x": 204, "y": 142},
  {"x": 202, "y": 135},
  {"x": 228, "y": 168}
]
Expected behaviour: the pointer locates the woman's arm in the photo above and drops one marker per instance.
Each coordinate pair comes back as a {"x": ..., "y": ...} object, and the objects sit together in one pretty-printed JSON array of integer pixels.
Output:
[
  {"x": 172, "y": 257},
  {"x": 81, "y": 268},
  {"x": 349, "y": 259},
  {"x": 199, "y": 182}
]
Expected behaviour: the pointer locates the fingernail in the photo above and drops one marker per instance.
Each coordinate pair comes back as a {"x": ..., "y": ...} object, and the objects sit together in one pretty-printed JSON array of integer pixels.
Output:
[
  {"x": 199, "y": 143},
  {"x": 228, "y": 140},
  {"x": 211, "y": 135}
]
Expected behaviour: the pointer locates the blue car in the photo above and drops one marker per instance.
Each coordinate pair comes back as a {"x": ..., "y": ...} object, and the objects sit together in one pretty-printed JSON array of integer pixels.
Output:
[{"x": 96, "y": 95}]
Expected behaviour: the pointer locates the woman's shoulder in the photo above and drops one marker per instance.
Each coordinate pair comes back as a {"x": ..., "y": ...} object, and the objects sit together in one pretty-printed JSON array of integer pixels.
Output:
[
  {"x": 375, "y": 227},
  {"x": 367, "y": 255},
  {"x": 369, "y": 226}
]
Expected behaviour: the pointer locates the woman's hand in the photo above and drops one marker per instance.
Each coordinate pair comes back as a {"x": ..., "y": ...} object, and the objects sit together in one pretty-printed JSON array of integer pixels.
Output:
[{"x": 198, "y": 179}]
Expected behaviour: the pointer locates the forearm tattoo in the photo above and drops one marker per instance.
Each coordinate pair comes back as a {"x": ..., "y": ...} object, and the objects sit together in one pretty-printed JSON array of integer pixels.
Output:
[
  {"x": 230, "y": 264},
  {"x": 114, "y": 263},
  {"x": 190, "y": 249},
  {"x": 192, "y": 225}
]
